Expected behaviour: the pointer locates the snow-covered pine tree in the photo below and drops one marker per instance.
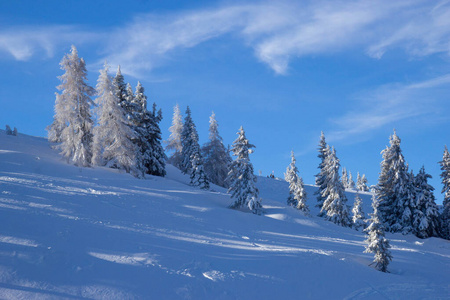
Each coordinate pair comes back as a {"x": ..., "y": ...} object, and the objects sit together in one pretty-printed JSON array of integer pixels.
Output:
[
  {"x": 351, "y": 183},
  {"x": 174, "y": 141},
  {"x": 407, "y": 203},
  {"x": 152, "y": 156},
  {"x": 192, "y": 160},
  {"x": 376, "y": 240},
  {"x": 344, "y": 178},
  {"x": 445, "y": 177},
  {"x": 390, "y": 190},
  {"x": 121, "y": 91},
  {"x": 197, "y": 175},
  {"x": 216, "y": 158},
  {"x": 358, "y": 217},
  {"x": 365, "y": 185},
  {"x": 335, "y": 202},
  {"x": 297, "y": 194},
  {"x": 241, "y": 178},
  {"x": 72, "y": 122},
  {"x": 426, "y": 215},
  {"x": 361, "y": 183},
  {"x": 112, "y": 135},
  {"x": 324, "y": 151},
  {"x": 186, "y": 143}
]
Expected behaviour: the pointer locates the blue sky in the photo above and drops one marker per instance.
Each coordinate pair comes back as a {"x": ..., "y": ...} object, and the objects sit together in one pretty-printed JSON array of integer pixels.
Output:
[{"x": 284, "y": 70}]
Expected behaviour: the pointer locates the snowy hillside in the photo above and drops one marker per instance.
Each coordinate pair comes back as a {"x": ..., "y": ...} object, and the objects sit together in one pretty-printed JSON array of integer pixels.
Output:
[{"x": 97, "y": 233}]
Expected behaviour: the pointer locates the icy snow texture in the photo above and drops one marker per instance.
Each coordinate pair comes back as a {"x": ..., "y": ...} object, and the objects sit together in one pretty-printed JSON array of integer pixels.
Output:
[{"x": 99, "y": 233}]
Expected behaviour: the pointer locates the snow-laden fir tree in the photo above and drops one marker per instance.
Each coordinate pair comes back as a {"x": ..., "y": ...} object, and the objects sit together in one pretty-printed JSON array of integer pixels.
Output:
[
  {"x": 426, "y": 214},
  {"x": 174, "y": 141},
  {"x": 361, "y": 183},
  {"x": 148, "y": 141},
  {"x": 72, "y": 122},
  {"x": 351, "y": 183},
  {"x": 241, "y": 178},
  {"x": 121, "y": 92},
  {"x": 186, "y": 142},
  {"x": 198, "y": 175},
  {"x": 192, "y": 160},
  {"x": 376, "y": 240},
  {"x": 112, "y": 136},
  {"x": 445, "y": 177},
  {"x": 335, "y": 202},
  {"x": 216, "y": 157},
  {"x": 297, "y": 193},
  {"x": 358, "y": 218},
  {"x": 324, "y": 151},
  {"x": 393, "y": 187},
  {"x": 344, "y": 178},
  {"x": 407, "y": 203}
]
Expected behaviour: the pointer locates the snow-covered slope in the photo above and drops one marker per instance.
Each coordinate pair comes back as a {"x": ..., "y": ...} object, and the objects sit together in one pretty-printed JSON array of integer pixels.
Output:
[{"x": 96, "y": 233}]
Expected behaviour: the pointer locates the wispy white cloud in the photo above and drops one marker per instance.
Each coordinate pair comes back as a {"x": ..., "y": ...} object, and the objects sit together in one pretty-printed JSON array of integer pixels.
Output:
[
  {"x": 390, "y": 104},
  {"x": 423, "y": 29},
  {"x": 24, "y": 42},
  {"x": 277, "y": 31}
]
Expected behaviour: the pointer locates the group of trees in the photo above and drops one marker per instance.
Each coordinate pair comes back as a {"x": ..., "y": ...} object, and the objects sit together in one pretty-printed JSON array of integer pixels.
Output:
[
  {"x": 212, "y": 162},
  {"x": 403, "y": 201},
  {"x": 124, "y": 135},
  {"x": 348, "y": 183}
]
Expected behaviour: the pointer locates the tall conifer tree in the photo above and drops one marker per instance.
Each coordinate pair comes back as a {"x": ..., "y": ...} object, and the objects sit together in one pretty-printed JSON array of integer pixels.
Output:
[
  {"x": 335, "y": 202},
  {"x": 72, "y": 123},
  {"x": 241, "y": 178},
  {"x": 174, "y": 142},
  {"x": 358, "y": 214},
  {"x": 376, "y": 241},
  {"x": 426, "y": 214},
  {"x": 324, "y": 150},
  {"x": 297, "y": 193},
  {"x": 445, "y": 177},
  {"x": 392, "y": 188},
  {"x": 112, "y": 135},
  {"x": 216, "y": 157}
]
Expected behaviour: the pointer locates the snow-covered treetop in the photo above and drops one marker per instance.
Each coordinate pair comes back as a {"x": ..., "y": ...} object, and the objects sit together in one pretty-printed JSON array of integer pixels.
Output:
[
  {"x": 214, "y": 128},
  {"x": 241, "y": 146}
]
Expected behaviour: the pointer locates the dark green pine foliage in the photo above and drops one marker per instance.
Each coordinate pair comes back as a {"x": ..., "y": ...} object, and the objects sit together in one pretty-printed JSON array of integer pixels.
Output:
[
  {"x": 191, "y": 157},
  {"x": 197, "y": 174},
  {"x": 120, "y": 88},
  {"x": 186, "y": 142},
  {"x": 324, "y": 151},
  {"x": 216, "y": 157},
  {"x": 153, "y": 159}
]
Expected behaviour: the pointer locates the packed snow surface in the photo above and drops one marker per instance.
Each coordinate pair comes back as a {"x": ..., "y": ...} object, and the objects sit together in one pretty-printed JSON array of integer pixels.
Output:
[{"x": 98, "y": 233}]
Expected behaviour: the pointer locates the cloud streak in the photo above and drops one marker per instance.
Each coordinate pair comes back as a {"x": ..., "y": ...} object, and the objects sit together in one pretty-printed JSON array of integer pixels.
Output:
[
  {"x": 278, "y": 32},
  {"x": 392, "y": 103},
  {"x": 24, "y": 42}
]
